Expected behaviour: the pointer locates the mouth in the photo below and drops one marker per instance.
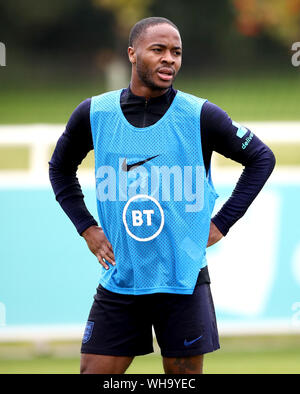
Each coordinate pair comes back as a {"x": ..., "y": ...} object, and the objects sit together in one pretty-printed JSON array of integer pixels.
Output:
[{"x": 165, "y": 73}]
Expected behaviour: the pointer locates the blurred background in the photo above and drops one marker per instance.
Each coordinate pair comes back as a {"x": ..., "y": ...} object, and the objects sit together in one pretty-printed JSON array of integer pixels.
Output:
[{"x": 242, "y": 56}]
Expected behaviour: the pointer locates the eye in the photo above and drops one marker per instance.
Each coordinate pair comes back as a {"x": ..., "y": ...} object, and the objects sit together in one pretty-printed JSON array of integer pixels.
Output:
[{"x": 157, "y": 50}]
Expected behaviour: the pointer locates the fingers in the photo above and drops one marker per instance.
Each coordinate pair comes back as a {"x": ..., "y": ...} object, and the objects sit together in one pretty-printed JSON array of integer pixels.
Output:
[
  {"x": 110, "y": 246},
  {"x": 99, "y": 246},
  {"x": 109, "y": 257},
  {"x": 106, "y": 255}
]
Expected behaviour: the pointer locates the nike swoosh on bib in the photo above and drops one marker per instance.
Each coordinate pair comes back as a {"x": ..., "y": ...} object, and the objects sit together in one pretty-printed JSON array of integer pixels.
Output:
[
  {"x": 128, "y": 167},
  {"x": 188, "y": 343}
]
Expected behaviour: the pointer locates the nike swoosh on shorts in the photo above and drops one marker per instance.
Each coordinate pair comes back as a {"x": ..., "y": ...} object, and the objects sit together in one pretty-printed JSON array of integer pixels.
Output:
[{"x": 188, "y": 343}]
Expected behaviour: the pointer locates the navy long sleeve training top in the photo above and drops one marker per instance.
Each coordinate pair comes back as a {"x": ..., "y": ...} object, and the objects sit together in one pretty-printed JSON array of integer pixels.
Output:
[{"x": 218, "y": 133}]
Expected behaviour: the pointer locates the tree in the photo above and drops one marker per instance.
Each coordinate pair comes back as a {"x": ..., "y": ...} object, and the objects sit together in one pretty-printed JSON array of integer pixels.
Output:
[
  {"x": 280, "y": 18},
  {"x": 126, "y": 14}
]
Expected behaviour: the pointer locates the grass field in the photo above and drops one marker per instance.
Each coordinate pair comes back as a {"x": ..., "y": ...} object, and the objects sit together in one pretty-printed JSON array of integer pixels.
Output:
[
  {"x": 264, "y": 96},
  {"x": 238, "y": 355},
  {"x": 261, "y": 97}
]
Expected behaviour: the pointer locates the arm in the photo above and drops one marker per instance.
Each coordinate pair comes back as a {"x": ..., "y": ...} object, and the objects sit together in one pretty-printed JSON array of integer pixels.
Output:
[
  {"x": 71, "y": 148},
  {"x": 221, "y": 135}
]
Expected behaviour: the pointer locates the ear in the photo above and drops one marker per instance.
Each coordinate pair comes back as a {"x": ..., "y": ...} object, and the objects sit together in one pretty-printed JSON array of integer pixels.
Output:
[{"x": 131, "y": 55}]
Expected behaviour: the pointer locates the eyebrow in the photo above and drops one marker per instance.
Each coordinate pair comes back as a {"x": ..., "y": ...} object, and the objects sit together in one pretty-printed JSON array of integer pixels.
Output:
[{"x": 163, "y": 46}]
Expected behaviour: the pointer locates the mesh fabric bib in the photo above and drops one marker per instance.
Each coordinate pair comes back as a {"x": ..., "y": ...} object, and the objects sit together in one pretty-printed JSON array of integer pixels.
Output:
[{"x": 154, "y": 199}]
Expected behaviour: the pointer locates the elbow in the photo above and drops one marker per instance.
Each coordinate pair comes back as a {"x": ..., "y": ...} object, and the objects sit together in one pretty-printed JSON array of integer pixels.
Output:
[
  {"x": 52, "y": 171},
  {"x": 271, "y": 160}
]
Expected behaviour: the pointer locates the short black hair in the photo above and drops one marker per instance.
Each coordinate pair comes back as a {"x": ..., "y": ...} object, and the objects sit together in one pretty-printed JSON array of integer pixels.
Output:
[{"x": 139, "y": 28}]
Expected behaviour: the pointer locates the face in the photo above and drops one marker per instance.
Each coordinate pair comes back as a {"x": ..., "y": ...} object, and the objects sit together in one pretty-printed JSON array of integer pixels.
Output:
[{"x": 156, "y": 58}]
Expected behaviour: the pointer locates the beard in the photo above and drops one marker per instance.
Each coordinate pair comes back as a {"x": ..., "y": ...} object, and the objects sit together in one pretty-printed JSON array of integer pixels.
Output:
[{"x": 146, "y": 76}]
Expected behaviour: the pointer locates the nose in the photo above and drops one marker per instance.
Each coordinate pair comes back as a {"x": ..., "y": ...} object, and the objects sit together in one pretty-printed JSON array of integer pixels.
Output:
[{"x": 168, "y": 58}]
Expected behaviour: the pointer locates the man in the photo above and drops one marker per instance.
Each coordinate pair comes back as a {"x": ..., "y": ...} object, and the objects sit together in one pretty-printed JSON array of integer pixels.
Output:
[{"x": 153, "y": 146}]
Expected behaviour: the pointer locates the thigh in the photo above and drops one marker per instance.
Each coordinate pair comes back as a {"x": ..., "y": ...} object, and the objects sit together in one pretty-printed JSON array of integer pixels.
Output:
[
  {"x": 101, "y": 364},
  {"x": 185, "y": 325},
  {"x": 183, "y": 365},
  {"x": 117, "y": 326}
]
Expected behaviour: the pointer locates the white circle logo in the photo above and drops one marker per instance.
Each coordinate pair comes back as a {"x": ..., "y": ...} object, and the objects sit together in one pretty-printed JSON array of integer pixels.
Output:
[{"x": 143, "y": 218}]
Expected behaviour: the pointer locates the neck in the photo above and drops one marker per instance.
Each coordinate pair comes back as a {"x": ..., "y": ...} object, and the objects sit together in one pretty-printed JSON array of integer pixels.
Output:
[{"x": 146, "y": 91}]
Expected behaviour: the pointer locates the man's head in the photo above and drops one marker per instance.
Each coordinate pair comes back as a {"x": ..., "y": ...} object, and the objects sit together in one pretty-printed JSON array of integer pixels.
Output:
[{"x": 155, "y": 52}]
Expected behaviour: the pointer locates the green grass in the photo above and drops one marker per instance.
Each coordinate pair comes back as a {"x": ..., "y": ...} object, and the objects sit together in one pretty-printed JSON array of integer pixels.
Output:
[
  {"x": 263, "y": 362},
  {"x": 238, "y": 355},
  {"x": 264, "y": 96},
  {"x": 256, "y": 97},
  {"x": 40, "y": 365},
  {"x": 271, "y": 362},
  {"x": 46, "y": 103}
]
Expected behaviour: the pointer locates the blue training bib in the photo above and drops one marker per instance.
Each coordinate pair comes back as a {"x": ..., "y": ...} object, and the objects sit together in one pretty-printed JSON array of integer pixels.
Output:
[{"x": 154, "y": 199}]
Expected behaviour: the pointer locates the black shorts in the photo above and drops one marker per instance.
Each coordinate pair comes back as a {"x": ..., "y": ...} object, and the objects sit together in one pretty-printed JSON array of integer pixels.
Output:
[{"x": 121, "y": 325}]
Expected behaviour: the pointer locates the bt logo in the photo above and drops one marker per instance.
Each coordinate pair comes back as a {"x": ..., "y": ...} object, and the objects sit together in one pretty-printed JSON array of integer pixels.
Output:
[
  {"x": 143, "y": 217},
  {"x": 137, "y": 217}
]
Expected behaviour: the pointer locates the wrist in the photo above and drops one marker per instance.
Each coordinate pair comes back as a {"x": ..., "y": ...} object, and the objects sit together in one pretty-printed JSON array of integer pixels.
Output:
[
  {"x": 86, "y": 233},
  {"x": 220, "y": 226}
]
